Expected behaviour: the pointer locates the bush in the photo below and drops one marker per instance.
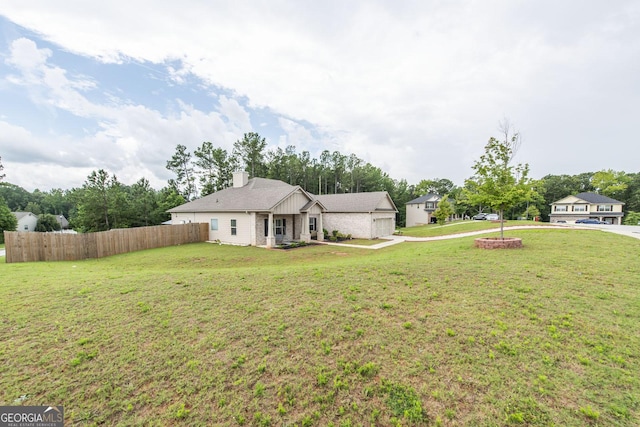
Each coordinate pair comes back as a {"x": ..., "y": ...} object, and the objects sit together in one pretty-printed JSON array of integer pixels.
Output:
[{"x": 632, "y": 218}]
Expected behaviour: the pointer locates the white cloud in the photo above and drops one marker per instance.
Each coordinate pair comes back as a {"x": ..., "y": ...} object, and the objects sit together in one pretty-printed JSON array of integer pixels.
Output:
[
  {"x": 131, "y": 140},
  {"x": 414, "y": 87}
]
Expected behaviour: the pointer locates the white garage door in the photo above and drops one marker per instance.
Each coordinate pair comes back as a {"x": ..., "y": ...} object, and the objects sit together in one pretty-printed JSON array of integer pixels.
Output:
[{"x": 384, "y": 227}]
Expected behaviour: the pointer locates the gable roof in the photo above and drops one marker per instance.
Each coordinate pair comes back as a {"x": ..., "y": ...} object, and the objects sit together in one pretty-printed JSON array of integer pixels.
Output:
[
  {"x": 597, "y": 198},
  {"x": 20, "y": 215},
  {"x": 377, "y": 201},
  {"x": 259, "y": 194},
  {"x": 425, "y": 198},
  {"x": 263, "y": 195}
]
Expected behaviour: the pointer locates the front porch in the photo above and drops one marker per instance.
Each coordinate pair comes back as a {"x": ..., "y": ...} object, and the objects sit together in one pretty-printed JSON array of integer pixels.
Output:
[{"x": 272, "y": 230}]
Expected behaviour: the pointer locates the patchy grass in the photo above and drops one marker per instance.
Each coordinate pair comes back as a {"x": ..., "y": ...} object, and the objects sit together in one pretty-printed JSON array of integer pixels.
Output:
[
  {"x": 458, "y": 227},
  {"x": 435, "y": 333}
]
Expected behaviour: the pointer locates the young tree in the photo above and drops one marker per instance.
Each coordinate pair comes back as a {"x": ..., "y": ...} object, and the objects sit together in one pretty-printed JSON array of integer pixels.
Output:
[
  {"x": 444, "y": 210},
  {"x": 496, "y": 182},
  {"x": 632, "y": 218}
]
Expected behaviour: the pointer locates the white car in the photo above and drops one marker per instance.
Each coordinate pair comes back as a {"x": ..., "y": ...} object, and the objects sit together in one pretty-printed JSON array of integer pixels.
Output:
[{"x": 492, "y": 217}]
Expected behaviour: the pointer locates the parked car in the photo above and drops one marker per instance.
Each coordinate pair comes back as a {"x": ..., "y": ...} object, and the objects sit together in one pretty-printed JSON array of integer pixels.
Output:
[
  {"x": 480, "y": 216},
  {"x": 589, "y": 221},
  {"x": 492, "y": 217}
]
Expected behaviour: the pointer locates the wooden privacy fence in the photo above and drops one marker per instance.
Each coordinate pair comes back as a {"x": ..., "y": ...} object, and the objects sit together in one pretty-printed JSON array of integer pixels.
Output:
[{"x": 33, "y": 246}]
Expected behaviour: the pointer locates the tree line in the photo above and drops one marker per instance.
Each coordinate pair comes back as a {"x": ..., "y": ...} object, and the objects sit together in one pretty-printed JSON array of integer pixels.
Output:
[
  {"x": 209, "y": 169},
  {"x": 103, "y": 202}
]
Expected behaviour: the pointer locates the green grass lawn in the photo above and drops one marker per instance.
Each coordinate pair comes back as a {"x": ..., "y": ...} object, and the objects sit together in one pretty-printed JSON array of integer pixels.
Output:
[
  {"x": 433, "y": 230},
  {"x": 361, "y": 242},
  {"x": 432, "y": 333}
]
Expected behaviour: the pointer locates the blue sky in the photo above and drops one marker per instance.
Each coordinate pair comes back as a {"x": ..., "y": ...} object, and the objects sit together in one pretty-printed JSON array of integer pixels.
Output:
[{"x": 415, "y": 89}]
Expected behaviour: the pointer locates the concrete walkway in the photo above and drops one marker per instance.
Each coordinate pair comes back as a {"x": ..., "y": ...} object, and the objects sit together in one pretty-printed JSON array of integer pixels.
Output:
[{"x": 627, "y": 230}]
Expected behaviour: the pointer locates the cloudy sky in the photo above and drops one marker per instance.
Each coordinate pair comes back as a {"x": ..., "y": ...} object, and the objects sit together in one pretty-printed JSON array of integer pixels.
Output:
[{"x": 413, "y": 87}]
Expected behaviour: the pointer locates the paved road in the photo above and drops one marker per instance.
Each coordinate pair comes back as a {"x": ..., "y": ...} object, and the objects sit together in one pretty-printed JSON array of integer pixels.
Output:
[{"x": 627, "y": 230}]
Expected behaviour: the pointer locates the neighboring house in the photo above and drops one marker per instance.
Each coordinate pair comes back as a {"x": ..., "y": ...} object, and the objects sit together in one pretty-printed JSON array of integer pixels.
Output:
[
  {"x": 587, "y": 205},
  {"x": 26, "y": 221},
  {"x": 64, "y": 223},
  {"x": 265, "y": 212},
  {"x": 420, "y": 210}
]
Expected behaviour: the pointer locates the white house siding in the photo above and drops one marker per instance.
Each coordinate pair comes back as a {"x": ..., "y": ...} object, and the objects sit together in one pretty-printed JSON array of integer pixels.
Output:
[
  {"x": 416, "y": 215},
  {"x": 223, "y": 234},
  {"x": 27, "y": 223}
]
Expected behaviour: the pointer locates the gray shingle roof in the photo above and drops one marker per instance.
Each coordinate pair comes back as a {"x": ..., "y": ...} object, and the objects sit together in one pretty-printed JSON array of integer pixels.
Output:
[
  {"x": 20, "y": 215},
  {"x": 260, "y": 194},
  {"x": 423, "y": 199},
  {"x": 597, "y": 198},
  {"x": 357, "y": 202}
]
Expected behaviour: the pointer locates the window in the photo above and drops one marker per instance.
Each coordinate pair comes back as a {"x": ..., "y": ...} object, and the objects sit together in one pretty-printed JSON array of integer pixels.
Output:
[
  {"x": 26, "y": 227},
  {"x": 214, "y": 223},
  {"x": 430, "y": 205},
  {"x": 605, "y": 208},
  {"x": 234, "y": 229},
  {"x": 313, "y": 224},
  {"x": 579, "y": 208},
  {"x": 279, "y": 228},
  {"x": 560, "y": 208}
]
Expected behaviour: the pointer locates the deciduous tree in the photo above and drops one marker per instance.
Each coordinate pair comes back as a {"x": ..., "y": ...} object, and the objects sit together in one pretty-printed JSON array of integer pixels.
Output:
[
  {"x": 610, "y": 183},
  {"x": 496, "y": 182},
  {"x": 8, "y": 221},
  {"x": 47, "y": 222},
  {"x": 444, "y": 210}
]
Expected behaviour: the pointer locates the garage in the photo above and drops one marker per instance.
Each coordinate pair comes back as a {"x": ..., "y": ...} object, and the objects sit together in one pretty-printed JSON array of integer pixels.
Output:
[{"x": 384, "y": 227}]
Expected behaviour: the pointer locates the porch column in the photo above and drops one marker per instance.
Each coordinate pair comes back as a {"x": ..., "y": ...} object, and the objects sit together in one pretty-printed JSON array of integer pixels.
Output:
[
  {"x": 271, "y": 239},
  {"x": 305, "y": 234},
  {"x": 320, "y": 232}
]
